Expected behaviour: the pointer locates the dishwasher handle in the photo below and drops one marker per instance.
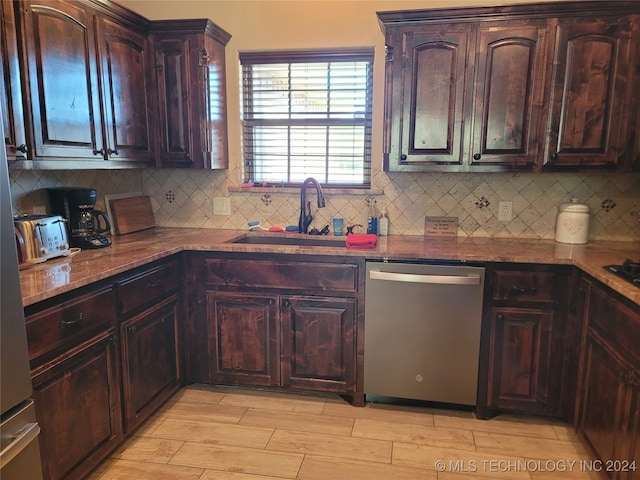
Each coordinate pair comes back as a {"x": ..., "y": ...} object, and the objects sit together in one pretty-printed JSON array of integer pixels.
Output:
[{"x": 418, "y": 278}]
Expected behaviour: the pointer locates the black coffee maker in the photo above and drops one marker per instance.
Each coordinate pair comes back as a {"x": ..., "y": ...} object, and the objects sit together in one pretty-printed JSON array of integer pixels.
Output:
[{"x": 84, "y": 226}]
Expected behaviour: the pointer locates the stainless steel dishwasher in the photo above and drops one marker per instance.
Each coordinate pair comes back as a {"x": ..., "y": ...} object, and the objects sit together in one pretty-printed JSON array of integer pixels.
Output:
[{"x": 422, "y": 331}]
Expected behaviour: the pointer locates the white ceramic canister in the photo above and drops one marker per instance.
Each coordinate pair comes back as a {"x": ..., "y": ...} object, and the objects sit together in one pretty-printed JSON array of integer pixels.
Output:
[{"x": 572, "y": 224}]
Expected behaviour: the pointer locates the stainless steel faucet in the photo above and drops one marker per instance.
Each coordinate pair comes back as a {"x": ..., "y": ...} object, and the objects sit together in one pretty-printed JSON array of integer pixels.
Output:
[{"x": 305, "y": 207}]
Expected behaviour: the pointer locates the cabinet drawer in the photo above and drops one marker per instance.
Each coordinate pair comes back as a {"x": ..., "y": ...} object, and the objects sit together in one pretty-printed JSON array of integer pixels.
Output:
[
  {"x": 147, "y": 286},
  {"x": 70, "y": 321},
  {"x": 523, "y": 286},
  {"x": 282, "y": 274}
]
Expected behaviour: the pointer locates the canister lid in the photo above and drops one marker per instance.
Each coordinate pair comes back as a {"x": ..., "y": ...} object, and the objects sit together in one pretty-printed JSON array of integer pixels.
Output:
[{"x": 573, "y": 206}]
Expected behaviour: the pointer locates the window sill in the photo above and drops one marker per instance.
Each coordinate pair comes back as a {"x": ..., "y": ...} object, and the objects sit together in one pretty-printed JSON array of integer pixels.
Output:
[{"x": 328, "y": 191}]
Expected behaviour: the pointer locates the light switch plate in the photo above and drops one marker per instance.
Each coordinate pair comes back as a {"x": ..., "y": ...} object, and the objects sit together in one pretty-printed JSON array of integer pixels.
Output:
[{"x": 222, "y": 206}]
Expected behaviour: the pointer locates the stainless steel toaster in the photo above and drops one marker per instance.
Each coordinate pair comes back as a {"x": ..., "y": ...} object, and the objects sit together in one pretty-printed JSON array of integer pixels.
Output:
[{"x": 40, "y": 237}]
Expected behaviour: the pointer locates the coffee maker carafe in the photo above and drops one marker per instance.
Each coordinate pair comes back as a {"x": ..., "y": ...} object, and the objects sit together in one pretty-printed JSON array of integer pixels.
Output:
[{"x": 86, "y": 225}]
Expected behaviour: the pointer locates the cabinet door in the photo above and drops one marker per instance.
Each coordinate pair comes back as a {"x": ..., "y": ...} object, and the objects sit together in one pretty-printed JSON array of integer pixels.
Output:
[
  {"x": 428, "y": 99},
  {"x": 63, "y": 79},
  {"x": 243, "y": 338},
  {"x": 633, "y": 433},
  {"x": 151, "y": 366},
  {"x": 125, "y": 70},
  {"x": 10, "y": 90},
  {"x": 173, "y": 81},
  {"x": 318, "y": 346},
  {"x": 520, "y": 356},
  {"x": 78, "y": 407},
  {"x": 603, "y": 399},
  {"x": 591, "y": 92},
  {"x": 212, "y": 65},
  {"x": 508, "y": 96}
]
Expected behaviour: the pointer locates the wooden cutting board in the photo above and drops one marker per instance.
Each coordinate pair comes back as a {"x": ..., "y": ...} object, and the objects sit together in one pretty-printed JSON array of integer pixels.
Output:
[{"x": 132, "y": 214}]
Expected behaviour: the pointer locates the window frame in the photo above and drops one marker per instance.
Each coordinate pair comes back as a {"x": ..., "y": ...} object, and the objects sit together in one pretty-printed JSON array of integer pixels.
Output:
[{"x": 247, "y": 59}]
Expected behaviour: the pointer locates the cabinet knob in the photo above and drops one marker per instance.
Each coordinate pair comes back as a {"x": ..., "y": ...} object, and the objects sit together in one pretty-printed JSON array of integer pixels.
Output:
[
  {"x": 500, "y": 317},
  {"x": 286, "y": 303},
  {"x": 403, "y": 158},
  {"x": 554, "y": 156},
  {"x": 22, "y": 148},
  {"x": 476, "y": 156}
]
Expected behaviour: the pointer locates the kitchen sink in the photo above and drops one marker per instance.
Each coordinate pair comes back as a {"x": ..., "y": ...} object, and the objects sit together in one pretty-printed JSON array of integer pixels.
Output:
[{"x": 291, "y": 239}]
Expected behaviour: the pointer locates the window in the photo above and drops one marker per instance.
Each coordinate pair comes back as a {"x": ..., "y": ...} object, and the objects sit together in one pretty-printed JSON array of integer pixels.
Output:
[{"x": 307, "y": 114}]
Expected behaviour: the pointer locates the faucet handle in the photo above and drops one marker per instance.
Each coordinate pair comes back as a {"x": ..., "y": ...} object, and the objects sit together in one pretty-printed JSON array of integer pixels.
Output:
[{"x": 351, "y": 227}]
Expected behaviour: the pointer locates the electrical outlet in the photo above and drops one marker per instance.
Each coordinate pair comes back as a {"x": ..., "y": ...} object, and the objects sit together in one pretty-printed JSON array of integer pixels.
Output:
[
  {"x": 222, "y": 206},
  {"x": 504, "y": 211}
]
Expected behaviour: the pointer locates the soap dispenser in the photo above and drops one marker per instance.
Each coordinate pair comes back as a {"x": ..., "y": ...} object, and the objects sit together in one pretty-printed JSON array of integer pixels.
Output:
[{"x": 383, "y": 223}]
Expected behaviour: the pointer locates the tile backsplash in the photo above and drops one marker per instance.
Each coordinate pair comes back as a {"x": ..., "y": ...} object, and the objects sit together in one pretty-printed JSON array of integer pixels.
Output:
[{"x": 184, "y": 198}]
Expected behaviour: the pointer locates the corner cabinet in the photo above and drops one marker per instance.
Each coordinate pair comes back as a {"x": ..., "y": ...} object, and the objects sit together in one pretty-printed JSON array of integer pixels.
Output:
[
  {"x": 511, "y": 88},
  {"x": 148, "y": 304},
  {"x": 523, "y": 344},
  {"x": 191, "y": 88},
  {"x": 87, "y": 81},
  {"x": 291, "y": 322},
  {"x": 608, "y": 401}
]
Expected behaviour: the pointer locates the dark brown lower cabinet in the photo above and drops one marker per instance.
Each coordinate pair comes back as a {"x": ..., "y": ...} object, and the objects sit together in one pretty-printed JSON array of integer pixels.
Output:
[
  {"x": 605, "y": 400},
  {"x": 524, "y": 350},
  {"x": 244, "y": 338},
  {"x": 318, "y": 343},
  {"x": 520, "y": 358},
  {"x": 78, "y": 407},
  {"x": 608, "y": 402},
  {"x": 151, "y": 367},
  {"x": 280, "y": 321}
]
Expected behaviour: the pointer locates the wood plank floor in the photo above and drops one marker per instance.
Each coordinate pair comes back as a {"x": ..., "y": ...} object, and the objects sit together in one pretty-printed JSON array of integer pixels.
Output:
[{"x": 220, "y": 433}]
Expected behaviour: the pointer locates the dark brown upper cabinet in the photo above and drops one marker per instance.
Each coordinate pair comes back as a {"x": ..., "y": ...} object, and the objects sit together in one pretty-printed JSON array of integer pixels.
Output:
[
  {"x": 590, "y": 116},
  {"x": 126, "y": 75},
  {"x": 467, "y": 97},
  {"x": 10, "y": 90},
  {"x": 191, "y": 83},
  {"x": 530, "y": 87},
  {"x": 86, "y": 78}
]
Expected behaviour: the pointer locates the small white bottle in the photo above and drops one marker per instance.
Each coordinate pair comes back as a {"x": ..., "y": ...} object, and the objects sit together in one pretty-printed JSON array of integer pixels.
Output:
[{"x": 383, "y": 224}]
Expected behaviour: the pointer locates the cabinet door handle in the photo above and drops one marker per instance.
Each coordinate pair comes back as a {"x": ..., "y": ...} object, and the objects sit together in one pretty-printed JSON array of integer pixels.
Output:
[
  {"x": 65, "y": 324},
  {"x": 22, "y": 148},
  {"x": 132, "y": 329},
  {"x": 476, "y": 156},
  {"x": 518, "y": 290},
  {"x": 100, "y": 152},
  {"x": 113, "y": 152},
  {"x": 155, "y": 284}
]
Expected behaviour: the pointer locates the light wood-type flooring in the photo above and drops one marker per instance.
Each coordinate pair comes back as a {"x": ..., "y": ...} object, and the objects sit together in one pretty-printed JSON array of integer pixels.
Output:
[{"x": 220, "y": 433}]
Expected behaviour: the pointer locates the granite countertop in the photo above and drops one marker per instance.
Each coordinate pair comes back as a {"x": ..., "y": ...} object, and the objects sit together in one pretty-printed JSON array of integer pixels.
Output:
[{"x": 63, "y": 274}]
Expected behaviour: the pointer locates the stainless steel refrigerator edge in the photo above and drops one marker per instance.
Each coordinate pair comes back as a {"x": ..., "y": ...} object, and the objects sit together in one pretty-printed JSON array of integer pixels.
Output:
[{"x": 19, "y": 449}]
